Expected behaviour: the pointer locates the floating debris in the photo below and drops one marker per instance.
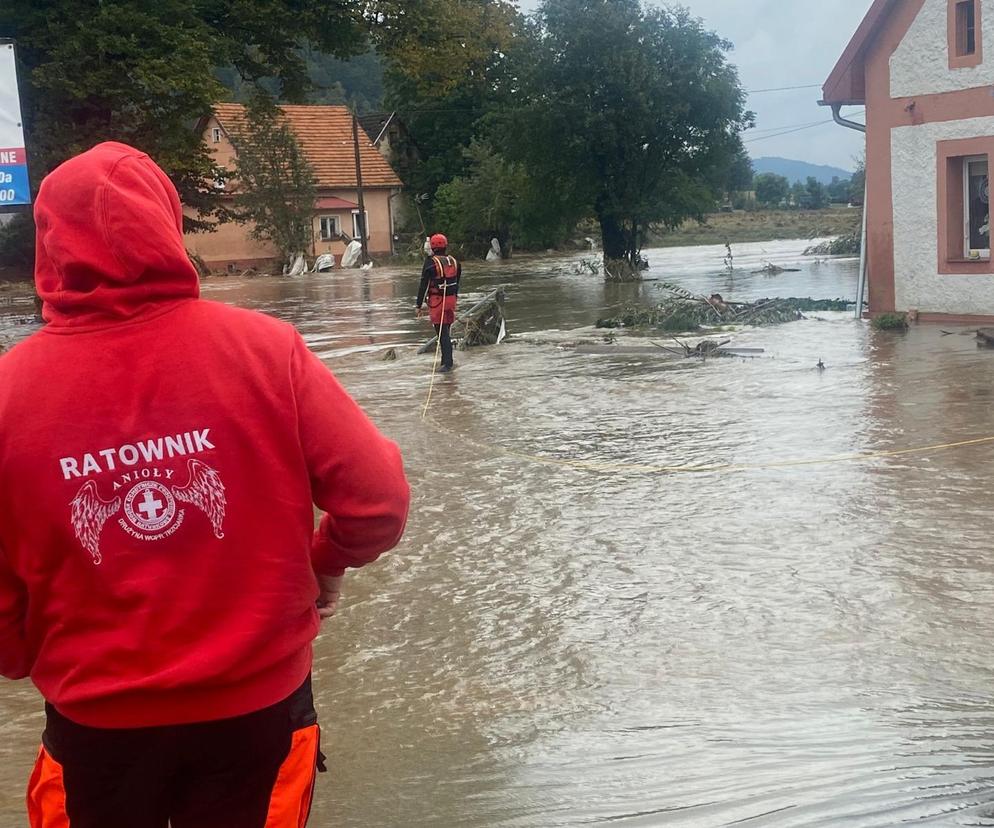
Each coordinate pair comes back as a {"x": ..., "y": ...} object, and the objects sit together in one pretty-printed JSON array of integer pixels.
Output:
[
  {"x": 847, "y": 245},
  {"x": 684, "y": 312},
  {"x": 482, "y": 324},
  {"x": 770, "y": 269}
]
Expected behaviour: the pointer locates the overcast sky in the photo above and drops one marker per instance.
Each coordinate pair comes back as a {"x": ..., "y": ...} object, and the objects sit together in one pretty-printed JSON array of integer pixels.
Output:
[{"x": 779, "y": 44}]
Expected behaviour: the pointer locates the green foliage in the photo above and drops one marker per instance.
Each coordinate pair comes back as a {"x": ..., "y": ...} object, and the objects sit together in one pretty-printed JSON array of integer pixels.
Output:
[
  {"x": 847, "y": 245},
  {"x": 142, "y": 73},
  {"x": 17, "y": 243},
  {"x": 817, "y": 194},
  {"x": 275, "y": 187},
  {"x": 357, "y": 81},
  {"x": 449, "y": 65},
  {"x": 890, "y": 322},
  {"x": 740, "y": 172},
  {"x": 838, "y": 190},
  {"x": 857, "y": 185},
  {"x": 634, "y": 111},
  {"x": 496, "y": 199},
  {"x": 772, "y": 190}
]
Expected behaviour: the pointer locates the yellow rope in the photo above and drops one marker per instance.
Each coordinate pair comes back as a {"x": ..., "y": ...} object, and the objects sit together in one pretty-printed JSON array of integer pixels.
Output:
[
  {"x": 438, "y": 350},
  {"x": 717, "y": 468},
  {"x": 728, "y": 468}
]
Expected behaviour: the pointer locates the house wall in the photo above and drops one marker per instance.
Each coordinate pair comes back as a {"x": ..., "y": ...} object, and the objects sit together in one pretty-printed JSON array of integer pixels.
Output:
[
  {"x": 906, "y": 121},
  {"x": 231, "y": 246},
  {"x": 380, "y": 222},
  {"x": 918, "y": 283},
  {"x": 920, "y": 65}
]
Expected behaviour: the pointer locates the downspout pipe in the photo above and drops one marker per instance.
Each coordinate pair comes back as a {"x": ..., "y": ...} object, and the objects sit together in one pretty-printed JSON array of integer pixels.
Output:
[
  {"x": 861, "y": 289},
  {"x": 837, "y": 117}
]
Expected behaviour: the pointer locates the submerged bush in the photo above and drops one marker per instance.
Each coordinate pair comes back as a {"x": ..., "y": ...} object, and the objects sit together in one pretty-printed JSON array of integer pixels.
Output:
[{"x": 890, "y": 322}]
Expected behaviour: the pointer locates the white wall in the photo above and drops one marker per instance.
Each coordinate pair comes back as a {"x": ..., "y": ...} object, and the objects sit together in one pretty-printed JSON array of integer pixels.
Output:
[
  {"x": 920, "y": 66},
  {"x": 917, "y": 282}
]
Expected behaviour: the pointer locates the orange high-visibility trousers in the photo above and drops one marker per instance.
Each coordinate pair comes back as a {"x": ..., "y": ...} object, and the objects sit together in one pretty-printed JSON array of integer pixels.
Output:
[{"x": 254, "y": 771}]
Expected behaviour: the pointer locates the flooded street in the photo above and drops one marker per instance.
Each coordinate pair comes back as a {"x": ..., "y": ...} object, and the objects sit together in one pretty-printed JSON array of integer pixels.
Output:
[{"x": 571, "y": 635}]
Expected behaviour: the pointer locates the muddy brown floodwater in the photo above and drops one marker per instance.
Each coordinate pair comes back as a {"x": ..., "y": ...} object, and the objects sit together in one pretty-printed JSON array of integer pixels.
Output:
[{"x": 556, "y": 645}]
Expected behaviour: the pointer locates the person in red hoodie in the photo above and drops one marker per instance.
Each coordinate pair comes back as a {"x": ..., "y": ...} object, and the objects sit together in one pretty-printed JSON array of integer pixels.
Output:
[{"x": 160, "y": 458}]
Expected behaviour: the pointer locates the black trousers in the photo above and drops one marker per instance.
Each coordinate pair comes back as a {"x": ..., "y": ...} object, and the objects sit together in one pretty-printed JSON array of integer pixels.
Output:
[
  {"x": 442, "y": 331},
  {"x": 233, "y": 773}
]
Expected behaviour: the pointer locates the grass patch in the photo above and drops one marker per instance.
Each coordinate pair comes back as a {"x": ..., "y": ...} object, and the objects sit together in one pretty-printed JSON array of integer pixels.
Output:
[{"x": 763, "y": 225}]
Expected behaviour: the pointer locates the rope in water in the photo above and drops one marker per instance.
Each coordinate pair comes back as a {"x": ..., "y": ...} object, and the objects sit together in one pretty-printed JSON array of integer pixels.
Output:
[
  {"x": 729, "y": 468},
  {"x": 438, "y": 350},
  {"x": 719, "y": 468}
]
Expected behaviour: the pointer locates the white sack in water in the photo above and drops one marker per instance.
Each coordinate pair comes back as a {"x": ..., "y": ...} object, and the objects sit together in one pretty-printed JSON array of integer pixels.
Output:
[
  {"x": 493, "y": 255},
  {"x": 353, "y": 253},
  {"x": 324, "y": 262},
  {"x": 298, "y": 268}
]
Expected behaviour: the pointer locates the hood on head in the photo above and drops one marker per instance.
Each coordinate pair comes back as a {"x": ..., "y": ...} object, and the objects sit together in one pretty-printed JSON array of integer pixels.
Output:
[{"x": 109, "y": 239}]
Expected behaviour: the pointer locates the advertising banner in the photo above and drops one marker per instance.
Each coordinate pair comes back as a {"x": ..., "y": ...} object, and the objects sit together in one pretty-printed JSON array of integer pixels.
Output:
[{"x": 14, "y": 187}]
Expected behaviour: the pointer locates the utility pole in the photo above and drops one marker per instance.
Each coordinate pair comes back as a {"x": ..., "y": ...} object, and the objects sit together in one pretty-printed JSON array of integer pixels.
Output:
[{"x": 361, "y": 223}]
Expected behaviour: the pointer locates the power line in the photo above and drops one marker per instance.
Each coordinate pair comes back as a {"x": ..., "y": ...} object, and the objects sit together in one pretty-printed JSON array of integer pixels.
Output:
[
  {"x": 755, "y": 131},
  {"x": 792, "y": 131},
  {"x": 784, "y": 89}
]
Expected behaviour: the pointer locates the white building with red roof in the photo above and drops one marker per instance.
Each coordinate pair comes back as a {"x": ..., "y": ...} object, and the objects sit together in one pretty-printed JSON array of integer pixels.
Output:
[{"x": 924, "y": 70}]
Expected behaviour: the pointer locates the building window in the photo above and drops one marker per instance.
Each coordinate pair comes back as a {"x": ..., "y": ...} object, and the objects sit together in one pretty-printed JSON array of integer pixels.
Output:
[
  {"x": 355, "y": 224},
  {"x": 964, "y": 205},
  {"x": 216, "y": 135},
  {"x": 966, "y": 28},
  {"x": 331, "y": 228},
  {"x": 976, "y": 208},
  {"x": 965, "y": 34}
]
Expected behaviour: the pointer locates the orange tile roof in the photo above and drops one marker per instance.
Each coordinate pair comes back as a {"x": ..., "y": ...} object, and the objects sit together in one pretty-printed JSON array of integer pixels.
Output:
[{"x": 325, "y": 135}]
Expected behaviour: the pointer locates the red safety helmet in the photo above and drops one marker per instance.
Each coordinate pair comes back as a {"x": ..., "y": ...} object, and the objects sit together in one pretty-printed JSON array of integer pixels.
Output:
[{"x": 439, "y": 242}]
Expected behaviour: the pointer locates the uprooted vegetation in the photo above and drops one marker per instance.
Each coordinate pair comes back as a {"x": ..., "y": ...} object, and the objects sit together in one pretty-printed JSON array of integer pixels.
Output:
[
  {"x": 683, "y": 312},
  {"x": 845, "y": 245}
]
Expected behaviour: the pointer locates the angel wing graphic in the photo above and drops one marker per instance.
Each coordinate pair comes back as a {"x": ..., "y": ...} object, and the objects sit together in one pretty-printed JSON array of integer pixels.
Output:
[
  {"x": 205, "y": 491},
  {"x": 89, "y": 514}
]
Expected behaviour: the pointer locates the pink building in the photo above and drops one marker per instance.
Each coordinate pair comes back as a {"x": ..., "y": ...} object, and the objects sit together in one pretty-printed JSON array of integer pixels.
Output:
[
  {"x": 325, "y": 135},
  {"x": 920, "y": 69}
]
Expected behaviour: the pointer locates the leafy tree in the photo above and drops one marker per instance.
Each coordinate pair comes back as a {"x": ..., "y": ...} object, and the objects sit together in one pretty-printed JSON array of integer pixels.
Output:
[
  {"x": 838, "y": 190},
  {"x": 772, "y": 190},
  {"x": 482, "y": 204},
  {"x": 497, "y": 199},
  {"x": 274, "y": 185},
  {"x": 740, "y": 172},
  {"x": 799, "y": 196},
  {"x": 449, "y": 64},
  {"x": 857, "y": 185},
  {"x": 637, "y": 108},
  {"x": 142, "y": 72},
  {"x": 817, "y": 194},
  {"x": 357, "y": 81}
]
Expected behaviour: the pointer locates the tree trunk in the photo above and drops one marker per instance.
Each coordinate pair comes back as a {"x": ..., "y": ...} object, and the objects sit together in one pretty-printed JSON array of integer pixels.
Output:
[
  {"x": 504, "y": 238},
  {"x": 620, "y": 255}
]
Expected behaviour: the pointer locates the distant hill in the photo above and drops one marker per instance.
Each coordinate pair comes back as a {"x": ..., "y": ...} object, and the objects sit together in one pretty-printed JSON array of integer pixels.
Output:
[{"x": 798, "y": 170}]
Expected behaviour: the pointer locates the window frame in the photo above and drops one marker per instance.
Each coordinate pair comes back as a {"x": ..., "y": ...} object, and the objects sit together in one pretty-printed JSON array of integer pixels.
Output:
[
  {"x": 216, "y": 133},
  {"x": 337, "y": 227},
  {"x": 951, "y": 205},
  {"x": 355, "y": 224},
  {"x": 959, "y": 58},
  {"x": 968, "y": 250}
]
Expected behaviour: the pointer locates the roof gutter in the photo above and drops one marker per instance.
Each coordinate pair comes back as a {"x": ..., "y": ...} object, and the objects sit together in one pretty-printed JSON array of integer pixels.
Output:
[{"x": 837, "y": 117}]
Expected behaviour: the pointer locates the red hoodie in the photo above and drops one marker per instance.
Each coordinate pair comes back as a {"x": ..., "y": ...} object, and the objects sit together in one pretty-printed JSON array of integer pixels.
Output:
[{"x": 159, "y": 458}]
